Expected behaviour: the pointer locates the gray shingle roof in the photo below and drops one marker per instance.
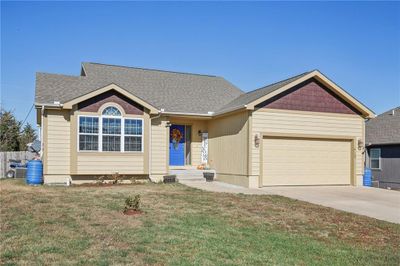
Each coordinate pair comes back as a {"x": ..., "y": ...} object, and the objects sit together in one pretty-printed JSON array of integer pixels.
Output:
[
  {"x": 172, "y": 91},
  {"x": 251, "y": 96},
  {"x": 384, "y": 129}
]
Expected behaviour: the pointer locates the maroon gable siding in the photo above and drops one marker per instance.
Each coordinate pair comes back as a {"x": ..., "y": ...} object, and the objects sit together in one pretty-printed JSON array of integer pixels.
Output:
[
  {"x": 310, "y": 95},
  {"x": 93, "y": 104}
]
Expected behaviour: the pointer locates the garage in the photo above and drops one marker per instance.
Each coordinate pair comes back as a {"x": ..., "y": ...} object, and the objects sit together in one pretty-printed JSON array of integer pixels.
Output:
[{"x": 305, "y": 161}]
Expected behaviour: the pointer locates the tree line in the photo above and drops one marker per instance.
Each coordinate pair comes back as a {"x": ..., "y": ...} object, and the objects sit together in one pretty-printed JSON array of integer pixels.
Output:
[{"x": 13, "y": 135}]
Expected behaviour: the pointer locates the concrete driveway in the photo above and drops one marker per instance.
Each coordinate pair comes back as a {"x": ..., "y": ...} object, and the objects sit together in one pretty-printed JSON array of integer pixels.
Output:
[{"x": 373, "y": 202}]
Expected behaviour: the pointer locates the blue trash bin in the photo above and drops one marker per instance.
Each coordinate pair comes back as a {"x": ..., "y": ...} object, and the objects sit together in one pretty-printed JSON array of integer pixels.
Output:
[
  {"x": 34, "y": 172},
  {"x": 367, "y": 178}
]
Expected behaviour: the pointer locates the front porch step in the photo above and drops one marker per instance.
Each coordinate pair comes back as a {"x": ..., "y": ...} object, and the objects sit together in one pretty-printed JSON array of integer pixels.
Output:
[{"x": 189, "y": 174}]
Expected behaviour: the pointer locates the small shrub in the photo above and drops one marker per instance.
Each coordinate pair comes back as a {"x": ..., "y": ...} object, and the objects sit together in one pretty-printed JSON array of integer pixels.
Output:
[
  {"x": 132, "y": 203},
  {"x": 133, "y": 179},
  {"x": 116, "y": 178},
  {"x": 100, "y": 179}
]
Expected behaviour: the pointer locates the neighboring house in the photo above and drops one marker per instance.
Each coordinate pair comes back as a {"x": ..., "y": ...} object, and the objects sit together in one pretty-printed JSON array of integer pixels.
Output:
[
  {"x": 382, "y": 138},
  {"x": 304, "y": 130}
]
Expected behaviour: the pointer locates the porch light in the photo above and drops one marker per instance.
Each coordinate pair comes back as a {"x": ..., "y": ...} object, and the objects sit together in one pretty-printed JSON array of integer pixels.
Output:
[
  {"x": 200, "y": 132},
  {"x": 257, "y": 140},
  {"x": 360, "y": 144}
]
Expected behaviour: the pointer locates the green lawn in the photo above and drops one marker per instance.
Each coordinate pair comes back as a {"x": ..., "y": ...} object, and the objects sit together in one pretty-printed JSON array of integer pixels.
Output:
[{"x": 180, "y": 225}]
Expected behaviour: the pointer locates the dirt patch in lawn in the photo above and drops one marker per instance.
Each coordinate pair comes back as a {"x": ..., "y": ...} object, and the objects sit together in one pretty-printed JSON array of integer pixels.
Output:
[{"x": 132, "y": 212}]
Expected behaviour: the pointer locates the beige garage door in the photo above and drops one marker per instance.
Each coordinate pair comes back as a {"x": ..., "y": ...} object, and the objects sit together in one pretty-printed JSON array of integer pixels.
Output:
[{"x": 292, "y": 161}]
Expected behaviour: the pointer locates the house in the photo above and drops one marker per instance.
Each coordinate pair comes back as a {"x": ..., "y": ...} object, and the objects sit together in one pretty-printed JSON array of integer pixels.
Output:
[
  {"x": 382, "y": 135},
  {"x": 304, "y": 130}
]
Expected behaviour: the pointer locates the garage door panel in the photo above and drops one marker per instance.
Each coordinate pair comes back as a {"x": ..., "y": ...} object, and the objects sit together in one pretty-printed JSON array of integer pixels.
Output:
[
  {"x": 294, "y": 168},
  {"x": 291, "y": 161},
  {"x": 302, "y": 160}
]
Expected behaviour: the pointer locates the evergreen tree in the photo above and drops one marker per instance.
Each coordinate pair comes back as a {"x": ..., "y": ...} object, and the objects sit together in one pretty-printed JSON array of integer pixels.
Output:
[
  {"x": 27, "y": 135},
  {"x": 9, "y": 131},
  {"x": 11, "y": 136}
]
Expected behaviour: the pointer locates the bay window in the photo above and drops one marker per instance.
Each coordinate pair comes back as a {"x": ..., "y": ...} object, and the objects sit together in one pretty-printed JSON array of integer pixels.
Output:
[{"x": 111, "y": 132}]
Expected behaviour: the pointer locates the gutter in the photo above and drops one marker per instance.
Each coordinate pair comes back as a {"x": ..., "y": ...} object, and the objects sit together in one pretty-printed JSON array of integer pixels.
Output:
[
  {"x": 210, "y": 114},
  {"x": 382, "y": 144},
  {"x": 231, "y": 110},
  {"x": 55, "y": 105},
  {"x": 187, "y": 114}
]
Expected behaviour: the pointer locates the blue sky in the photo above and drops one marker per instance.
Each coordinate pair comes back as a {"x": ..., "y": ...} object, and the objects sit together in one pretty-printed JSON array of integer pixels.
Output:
[{"x": 356, "y": 44}]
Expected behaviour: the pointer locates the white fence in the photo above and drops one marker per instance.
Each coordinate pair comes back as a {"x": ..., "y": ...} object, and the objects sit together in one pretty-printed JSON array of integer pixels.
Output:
[{"x": 24, "y": 156}]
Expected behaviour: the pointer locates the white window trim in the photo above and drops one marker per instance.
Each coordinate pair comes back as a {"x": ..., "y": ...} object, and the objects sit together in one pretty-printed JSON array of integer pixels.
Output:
[
  {"x": 100, "y": 133},
  {"x": 93, "y": 134},
  {"x": 370, "y": 158},
  {"x": 131, "y": 135},
  {"x": 121, "y": 135}
]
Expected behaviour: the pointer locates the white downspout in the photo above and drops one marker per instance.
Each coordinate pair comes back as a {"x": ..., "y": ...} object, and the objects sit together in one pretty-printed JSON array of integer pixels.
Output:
[
  {"x": 56, "y": 104},
  {"x": 41, "y": 131}
]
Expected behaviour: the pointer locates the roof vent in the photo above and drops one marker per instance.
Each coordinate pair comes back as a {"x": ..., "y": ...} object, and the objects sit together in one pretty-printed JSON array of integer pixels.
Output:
[{"x": 57, "y": 102}]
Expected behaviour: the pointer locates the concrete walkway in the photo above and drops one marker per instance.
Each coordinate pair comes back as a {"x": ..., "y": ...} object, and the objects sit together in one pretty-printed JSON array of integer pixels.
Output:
[{"x": 373, "y": 202}]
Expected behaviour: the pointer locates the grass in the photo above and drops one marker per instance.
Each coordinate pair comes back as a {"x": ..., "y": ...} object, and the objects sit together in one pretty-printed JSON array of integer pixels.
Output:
[{"x": 182, "y": 226}]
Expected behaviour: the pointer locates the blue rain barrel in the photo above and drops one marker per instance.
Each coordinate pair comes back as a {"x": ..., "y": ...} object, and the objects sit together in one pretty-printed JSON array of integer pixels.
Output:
[
  {"x": 34, "y": 172},
  {"x": 367, "y": 178}
]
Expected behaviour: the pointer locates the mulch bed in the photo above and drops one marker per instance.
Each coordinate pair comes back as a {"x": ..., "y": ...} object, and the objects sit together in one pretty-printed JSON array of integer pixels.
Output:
[
  {"x": 97, "y": 185},
  {"x": 132, "y": 212},
  {"x": 106, "y": 184}
]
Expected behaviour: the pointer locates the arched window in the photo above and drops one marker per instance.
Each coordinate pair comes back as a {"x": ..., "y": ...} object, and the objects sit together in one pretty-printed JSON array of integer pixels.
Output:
[
  {"x": 111, "y": 111},
  {"x": 110, "y": 132}
]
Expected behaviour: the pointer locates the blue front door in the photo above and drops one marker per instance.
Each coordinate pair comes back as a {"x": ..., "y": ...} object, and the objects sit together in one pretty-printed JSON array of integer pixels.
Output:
[{"x": 177, "y": 145}]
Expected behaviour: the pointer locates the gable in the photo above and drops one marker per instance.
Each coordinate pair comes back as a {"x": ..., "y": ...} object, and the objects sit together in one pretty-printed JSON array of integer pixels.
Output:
[
  {"x": 310, "y": 95},
  {"x": 93, "y": 104}
]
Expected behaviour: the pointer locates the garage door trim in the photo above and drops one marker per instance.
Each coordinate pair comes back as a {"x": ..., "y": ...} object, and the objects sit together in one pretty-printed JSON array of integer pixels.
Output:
[{"x": 276, "y": 135}]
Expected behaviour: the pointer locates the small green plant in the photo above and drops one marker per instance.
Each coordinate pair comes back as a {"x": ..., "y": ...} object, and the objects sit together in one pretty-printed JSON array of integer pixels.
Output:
[
  {"x": 133, "y": 179},
  {"x": 116, "y": 178},
  {"x": 100, "y": 179},
  {"x": 132, "y": 203}
]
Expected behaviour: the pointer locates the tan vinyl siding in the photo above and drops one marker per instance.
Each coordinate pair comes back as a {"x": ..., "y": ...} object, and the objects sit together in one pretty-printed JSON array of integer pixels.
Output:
[
  {"x": 228, "y": 145},
  {"x": 107, "y": 163},
  {"x": 57, "y": 142},
  {"x": 159, "y": 146},
  {"x": 196, "y": 141},
  {"x": 306, "y": 123}
]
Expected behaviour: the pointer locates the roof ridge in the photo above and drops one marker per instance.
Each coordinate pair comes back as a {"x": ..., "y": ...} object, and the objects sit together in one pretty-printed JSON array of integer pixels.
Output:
[
  {"x": 151, "y": 69},
  {"x": 283, "y": 80},
  {"x": 233, "y": 85},
  {"x": 388, "y": 111},
  {"x": 57, "y": 74}
]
